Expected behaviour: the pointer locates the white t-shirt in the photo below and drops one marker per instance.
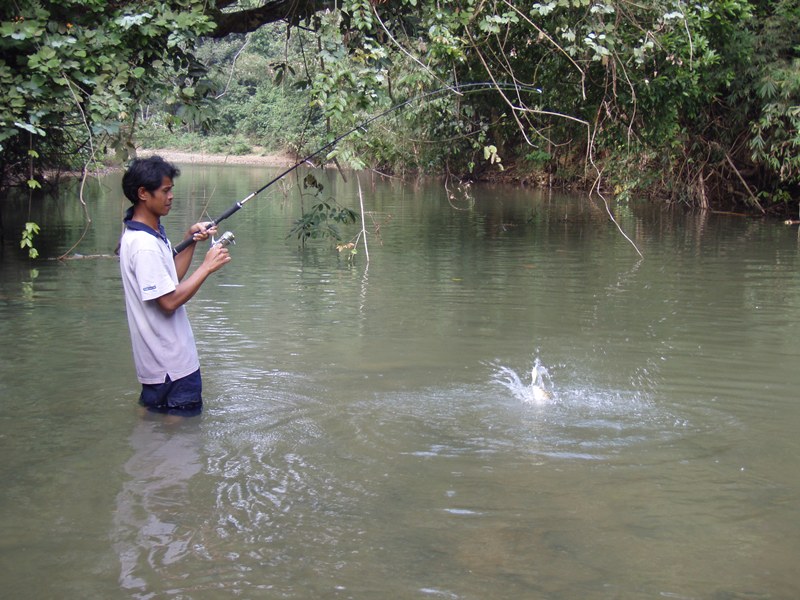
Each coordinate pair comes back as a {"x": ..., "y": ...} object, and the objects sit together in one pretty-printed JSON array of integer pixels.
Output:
[{"x": 163, "y": 344}]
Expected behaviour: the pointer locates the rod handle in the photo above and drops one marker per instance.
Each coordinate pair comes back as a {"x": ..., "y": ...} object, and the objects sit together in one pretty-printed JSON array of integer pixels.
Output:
[
  {"x": 182, "y": 246},
  {"x": 227, "y": 213},
  {"x": 189, "y": 241}
]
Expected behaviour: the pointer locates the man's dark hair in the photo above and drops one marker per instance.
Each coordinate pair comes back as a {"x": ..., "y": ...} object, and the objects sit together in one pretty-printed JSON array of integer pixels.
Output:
[{"x": 148, "y": 173}]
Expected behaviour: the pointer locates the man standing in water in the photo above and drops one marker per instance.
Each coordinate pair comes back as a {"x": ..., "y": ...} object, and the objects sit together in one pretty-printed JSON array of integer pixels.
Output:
[{"x": 164, "y": 349}]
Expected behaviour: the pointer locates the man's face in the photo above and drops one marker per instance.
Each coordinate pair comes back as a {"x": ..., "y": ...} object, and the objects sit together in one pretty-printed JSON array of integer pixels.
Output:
[{"x": 159, "y": 201}]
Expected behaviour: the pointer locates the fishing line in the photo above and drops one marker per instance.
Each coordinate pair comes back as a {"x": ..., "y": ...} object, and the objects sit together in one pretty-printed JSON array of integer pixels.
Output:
[{"x": 457, "y": 88}]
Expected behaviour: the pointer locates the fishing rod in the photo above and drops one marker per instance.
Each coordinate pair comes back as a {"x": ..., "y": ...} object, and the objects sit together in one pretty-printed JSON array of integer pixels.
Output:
[{"x": 457, "y": 88}]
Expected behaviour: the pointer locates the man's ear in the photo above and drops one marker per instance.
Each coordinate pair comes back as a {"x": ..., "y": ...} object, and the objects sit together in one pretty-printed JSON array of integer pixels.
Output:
[{"x": 141, "y": 192}]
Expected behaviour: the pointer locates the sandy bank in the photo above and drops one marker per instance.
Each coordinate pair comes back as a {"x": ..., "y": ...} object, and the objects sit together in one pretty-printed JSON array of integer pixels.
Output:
[{"x": 180, "y": 157}]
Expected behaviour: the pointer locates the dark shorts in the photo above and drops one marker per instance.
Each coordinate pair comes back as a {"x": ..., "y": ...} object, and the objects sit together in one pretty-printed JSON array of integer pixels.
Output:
[{"x": 181, "y": 397}]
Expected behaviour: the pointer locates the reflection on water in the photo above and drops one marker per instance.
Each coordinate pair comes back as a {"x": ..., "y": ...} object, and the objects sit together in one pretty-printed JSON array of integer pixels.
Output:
[
  {"x": 150, "y": 524},
  {"x": 377, "y": 434}
]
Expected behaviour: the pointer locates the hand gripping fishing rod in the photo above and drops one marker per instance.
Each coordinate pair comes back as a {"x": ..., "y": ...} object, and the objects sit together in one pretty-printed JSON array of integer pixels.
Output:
[{"x": 457, "y": 88}]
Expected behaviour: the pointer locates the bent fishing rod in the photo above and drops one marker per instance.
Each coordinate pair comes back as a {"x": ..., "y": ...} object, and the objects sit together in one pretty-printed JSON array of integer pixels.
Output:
[{"x": 456, "y": 88}]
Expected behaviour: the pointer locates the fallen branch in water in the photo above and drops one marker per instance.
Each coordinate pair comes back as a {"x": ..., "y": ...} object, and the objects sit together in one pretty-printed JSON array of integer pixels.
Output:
[
  {"x": 744, "y": 183},
  {"x": 81, "y": 256}
]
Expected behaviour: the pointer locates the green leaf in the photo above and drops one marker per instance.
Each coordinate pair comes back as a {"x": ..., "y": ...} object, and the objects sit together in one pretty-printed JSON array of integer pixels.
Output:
[{"x": 28, "y": 127}]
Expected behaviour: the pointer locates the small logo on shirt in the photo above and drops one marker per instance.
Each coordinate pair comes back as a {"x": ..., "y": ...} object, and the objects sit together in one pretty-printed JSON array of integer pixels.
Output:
[{"x": 149, "y": 288}]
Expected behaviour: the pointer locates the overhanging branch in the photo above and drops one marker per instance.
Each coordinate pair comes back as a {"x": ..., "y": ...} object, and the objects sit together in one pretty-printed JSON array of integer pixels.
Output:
[{"x": 247, "y": 20}]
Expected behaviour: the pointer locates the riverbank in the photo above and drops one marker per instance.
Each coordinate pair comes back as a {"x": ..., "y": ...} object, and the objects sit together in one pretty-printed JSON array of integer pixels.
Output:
[
  {"x": 179, "y": 157},
  {"x": 511, "y": 175},
  {"x": 260, "y": 158}
]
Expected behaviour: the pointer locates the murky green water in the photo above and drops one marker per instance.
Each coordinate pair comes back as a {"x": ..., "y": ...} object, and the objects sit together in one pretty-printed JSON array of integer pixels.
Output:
[{"x": 368, "y": 431}]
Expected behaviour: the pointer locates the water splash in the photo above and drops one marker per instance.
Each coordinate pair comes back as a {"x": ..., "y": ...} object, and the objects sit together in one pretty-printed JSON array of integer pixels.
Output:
[{"x": 536, "y": 391}]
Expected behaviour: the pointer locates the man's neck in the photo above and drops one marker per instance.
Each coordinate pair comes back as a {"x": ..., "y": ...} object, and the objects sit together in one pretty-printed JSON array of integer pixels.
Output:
[{"x": 142, "y": 215}]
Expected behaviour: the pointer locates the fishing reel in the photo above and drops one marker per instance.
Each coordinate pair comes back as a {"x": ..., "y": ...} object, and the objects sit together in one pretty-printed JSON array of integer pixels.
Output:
[{"x": 226, "y": 239}]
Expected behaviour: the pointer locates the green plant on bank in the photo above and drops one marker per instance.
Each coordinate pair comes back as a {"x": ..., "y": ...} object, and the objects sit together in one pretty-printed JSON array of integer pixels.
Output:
[
  {"x": 235, "y": 146},
  {"x": 775, "y": 93},
  {"x": 256, "y": 103},
  {"x": 153, "y": 136}
]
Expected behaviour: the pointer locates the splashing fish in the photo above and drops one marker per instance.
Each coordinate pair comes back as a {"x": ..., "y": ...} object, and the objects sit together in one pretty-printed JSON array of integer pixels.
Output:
[
  {"x": 539, "y": 395},
  {"x": 534, "y": 392}
]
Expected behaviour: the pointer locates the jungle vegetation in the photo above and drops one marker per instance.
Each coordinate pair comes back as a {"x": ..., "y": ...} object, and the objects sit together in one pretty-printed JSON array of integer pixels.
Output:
[{"x": 677, "y": 101}]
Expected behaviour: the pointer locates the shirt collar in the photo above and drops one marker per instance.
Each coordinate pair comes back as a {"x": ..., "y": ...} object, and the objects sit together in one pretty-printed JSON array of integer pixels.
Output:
[{"x": 139, "y": 226}]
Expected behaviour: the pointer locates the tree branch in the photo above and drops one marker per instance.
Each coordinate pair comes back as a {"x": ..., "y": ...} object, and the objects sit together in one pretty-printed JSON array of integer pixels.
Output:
[{"x": 245, "y": 21}]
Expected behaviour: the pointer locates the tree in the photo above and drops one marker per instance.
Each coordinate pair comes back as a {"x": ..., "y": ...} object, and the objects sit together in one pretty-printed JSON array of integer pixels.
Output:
[
  {"x": 73, "y": 70},
  {"x": 692, "y": 102}
]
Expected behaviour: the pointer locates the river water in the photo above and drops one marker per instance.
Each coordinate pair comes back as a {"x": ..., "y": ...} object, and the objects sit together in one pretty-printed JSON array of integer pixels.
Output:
[{"x": 370, "y": 429}]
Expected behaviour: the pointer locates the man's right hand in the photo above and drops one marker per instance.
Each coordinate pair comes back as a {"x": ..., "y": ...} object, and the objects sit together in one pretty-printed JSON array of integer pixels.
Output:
[{"x": 216, "y": 257}]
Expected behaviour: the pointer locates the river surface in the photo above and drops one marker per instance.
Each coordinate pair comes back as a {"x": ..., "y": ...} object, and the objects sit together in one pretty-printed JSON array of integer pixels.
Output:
[{"x": 370, "y": 429}]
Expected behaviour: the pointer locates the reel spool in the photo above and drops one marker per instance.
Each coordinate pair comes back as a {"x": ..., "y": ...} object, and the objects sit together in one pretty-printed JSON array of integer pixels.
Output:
[{"x": 226, "y": 239}]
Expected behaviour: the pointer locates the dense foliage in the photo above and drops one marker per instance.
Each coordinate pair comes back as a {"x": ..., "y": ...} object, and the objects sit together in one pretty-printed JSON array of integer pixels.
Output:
[
  {"x": 73, "y": 71},
  {"x": 695, "y": 102}
]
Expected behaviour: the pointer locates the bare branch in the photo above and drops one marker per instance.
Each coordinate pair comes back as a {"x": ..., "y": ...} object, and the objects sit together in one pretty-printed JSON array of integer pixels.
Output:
[
  {"x": 233, "y": 68},
  {"x": 546, "y": 36}
]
